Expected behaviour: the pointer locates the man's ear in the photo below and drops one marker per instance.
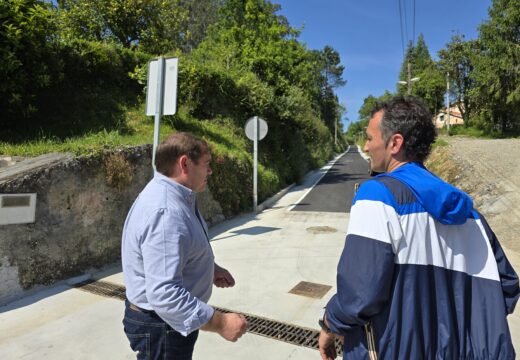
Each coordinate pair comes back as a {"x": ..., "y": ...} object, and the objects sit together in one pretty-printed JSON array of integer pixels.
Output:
[
  {"x": 396, "y": 143},
  {"x": 183, "y": 164}
]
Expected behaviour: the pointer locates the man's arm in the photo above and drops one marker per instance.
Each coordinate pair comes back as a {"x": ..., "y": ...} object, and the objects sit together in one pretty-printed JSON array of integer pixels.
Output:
[
  {"x": 508, "y": 276},
  {"x": 366, "y": 266},
  {"x": 326, "y": 342}
]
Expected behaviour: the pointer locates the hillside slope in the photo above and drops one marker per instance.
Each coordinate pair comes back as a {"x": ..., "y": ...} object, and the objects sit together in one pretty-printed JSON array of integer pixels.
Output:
[{"x": 489, "y": 170}]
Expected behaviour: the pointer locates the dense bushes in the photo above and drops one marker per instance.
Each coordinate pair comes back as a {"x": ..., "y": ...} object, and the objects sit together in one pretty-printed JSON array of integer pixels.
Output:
[
  {"x": 297, "y": 139},
  {"x": 87, "y": 88}
]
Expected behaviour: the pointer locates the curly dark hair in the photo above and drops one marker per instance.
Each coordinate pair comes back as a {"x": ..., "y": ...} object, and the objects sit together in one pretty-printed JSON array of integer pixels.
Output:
[{"x": 410, "y": 117}]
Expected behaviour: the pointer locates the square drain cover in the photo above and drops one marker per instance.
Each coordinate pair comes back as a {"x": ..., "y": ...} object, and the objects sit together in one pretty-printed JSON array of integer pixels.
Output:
[{"x": 312, "y": 290}]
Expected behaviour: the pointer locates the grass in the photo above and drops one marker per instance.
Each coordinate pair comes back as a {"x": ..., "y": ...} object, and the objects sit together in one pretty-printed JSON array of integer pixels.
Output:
[
  {"x": 140, "y": 131},
  {"x": 439, "y": 142},
  {"x": 223, "y": 134},
  {"x": 465, "y": 131}
]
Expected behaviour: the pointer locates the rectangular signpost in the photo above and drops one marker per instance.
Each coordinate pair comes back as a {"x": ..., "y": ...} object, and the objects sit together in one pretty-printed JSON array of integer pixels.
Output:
[{"x": 161, "y": 93}]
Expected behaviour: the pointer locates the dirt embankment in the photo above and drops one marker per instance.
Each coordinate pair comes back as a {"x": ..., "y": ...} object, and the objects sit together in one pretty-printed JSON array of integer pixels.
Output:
[{"x": 489, "y": 170}]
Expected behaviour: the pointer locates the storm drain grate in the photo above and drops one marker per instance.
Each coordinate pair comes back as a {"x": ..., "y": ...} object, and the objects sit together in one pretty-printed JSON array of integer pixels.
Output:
[
  {"x": 103, "y": 288},
  {"x": 272, "y": 329}
]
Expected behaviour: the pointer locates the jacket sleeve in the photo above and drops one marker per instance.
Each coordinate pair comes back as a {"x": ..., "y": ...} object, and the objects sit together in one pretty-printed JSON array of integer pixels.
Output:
[
  {"x": 366, "y": 266},
  {"x": 508, "y": 276}
]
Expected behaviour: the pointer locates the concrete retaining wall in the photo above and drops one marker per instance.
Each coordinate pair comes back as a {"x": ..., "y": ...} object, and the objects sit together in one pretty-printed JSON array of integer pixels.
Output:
[{"x": 81, "y": 206}]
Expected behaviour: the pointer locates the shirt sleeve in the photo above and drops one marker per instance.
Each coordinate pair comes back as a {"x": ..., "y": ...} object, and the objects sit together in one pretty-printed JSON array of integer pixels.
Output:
[
  {"x": 165, "y": 249},
  {"x": 508, "y": 277},
  {"x": 366, "y": 266}
]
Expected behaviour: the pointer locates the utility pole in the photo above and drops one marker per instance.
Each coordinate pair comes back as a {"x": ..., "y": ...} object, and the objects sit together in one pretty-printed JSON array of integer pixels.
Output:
[
  {"x": 448, "y": 99},
  {"x": 336, "y": 132},
  {"x": 409, "y": 78}
]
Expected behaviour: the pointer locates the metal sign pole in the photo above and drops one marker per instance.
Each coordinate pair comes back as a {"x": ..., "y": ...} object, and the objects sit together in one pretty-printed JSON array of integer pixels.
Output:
[
  {"x": 158, "y": 107},
  {"x": 255, "y": 165}
]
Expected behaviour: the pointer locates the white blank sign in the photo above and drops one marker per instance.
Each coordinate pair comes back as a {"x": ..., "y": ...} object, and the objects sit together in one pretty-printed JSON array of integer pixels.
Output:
[
  {"x": 169, "y": 87},
  {"x": 17, "y": 208}
]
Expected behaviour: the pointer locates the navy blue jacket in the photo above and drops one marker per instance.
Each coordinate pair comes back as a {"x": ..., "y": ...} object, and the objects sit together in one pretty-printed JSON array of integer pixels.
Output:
[{"x": 422, "y": 276}]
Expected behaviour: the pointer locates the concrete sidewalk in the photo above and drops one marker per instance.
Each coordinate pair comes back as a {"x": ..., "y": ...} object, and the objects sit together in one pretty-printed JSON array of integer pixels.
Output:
[{"x": 268, "y": 255}]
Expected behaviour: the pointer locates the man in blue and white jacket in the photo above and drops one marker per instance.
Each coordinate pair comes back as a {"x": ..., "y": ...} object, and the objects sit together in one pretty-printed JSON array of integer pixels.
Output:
[{"x": 422, "y": 275}]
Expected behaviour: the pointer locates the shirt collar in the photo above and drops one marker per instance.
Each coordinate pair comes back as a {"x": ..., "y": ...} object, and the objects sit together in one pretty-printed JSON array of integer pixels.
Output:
[{"x": 176, "y": 188}]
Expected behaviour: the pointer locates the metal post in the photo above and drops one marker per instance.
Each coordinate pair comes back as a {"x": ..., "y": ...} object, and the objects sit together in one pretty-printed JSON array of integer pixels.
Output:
[
  {"x": 448, "y": 99},
  {"x": 255, "y": 164},
  {"x": 409, "y": 78},
  {"x": 336, "y": 132},
  {"x": 158, "y": 107}
]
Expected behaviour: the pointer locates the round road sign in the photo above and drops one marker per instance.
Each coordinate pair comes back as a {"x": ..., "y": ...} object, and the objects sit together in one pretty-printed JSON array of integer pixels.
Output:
[{"x": 250, "y": 128}]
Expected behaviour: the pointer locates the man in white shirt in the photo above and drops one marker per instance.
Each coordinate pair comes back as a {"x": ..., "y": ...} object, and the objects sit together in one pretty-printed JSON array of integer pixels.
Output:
[{"x": 168, "y": 263}]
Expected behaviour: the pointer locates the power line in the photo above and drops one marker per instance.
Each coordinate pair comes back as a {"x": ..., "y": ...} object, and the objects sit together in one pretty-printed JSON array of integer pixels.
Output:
[
  {"x": 413, "y": 38},
  {"x": 401, "y": 22},
  {"x": 406, "y": 22}
]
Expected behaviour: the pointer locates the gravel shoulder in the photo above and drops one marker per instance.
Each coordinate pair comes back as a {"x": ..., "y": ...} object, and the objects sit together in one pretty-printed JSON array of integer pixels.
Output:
[{"x": 489, "y": 170}]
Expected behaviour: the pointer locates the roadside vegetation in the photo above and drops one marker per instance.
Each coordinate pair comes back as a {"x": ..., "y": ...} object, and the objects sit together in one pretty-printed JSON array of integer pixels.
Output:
[{"x": 75, "y": 73}]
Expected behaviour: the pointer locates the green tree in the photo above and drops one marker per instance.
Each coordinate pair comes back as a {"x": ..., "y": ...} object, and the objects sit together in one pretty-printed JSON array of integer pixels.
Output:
[
  {"x": 201, "y": 15},
  {"x": 357, "y": 130},
  {"x": 497, "y": 69},
  {"x": 27, "y": 59},
  {"x": 419, "y": 58},
  {"x": 370, "y": 102},
  {"x": 458, "y": 60},
  {"x": 331, "y": 71},
  {"x": 250, "y": 34},
  {"x": 430, "y": 85},
  {"x": 156, "y": 26}
]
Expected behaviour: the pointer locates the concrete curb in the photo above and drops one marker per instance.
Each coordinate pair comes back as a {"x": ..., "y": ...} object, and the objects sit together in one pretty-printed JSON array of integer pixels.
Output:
[{"x": 273, "y": 199}]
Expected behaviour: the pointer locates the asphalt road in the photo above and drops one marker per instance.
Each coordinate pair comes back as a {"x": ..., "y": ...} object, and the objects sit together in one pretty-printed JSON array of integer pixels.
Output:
[{"x": 335, "y": 191}]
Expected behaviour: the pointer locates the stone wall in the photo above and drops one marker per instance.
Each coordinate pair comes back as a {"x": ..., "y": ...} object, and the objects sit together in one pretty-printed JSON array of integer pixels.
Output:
[{"x": 81, "y": 206}]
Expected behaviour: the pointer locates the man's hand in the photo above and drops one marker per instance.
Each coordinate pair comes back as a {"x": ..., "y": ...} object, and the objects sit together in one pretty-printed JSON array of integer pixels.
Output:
[
  {"x": 222, "y": 278},
  {"x": 230, "y": 326},
  {"x": 327, "y": 346}
]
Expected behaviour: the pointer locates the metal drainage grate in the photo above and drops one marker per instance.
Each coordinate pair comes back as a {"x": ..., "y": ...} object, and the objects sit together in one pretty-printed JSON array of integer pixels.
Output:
[
  {"x": 103, "y": 288},
  {"x": 272, "y": 329}
]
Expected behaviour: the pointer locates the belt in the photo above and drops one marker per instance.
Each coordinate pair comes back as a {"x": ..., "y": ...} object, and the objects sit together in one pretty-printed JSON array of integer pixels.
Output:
[{"x": 138, "y": 309}]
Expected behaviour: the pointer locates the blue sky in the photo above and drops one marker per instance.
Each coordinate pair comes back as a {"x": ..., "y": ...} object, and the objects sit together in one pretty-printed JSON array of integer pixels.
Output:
[{"x": 367, "y": 35}]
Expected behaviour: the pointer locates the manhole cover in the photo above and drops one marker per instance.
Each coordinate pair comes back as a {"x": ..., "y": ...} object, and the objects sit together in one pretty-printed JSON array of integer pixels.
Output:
[
  {"x": 312, "y": 290},
  {"x": 321, "y": 229}
]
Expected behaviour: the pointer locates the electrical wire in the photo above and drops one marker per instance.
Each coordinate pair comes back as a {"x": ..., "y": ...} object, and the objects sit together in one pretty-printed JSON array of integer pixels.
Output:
[
  {"x": 406, "y": 23},
  {"x": 406, "y": 26},
  {"x": 401, "y": 23},
  {"x": 413, "y": 38}
]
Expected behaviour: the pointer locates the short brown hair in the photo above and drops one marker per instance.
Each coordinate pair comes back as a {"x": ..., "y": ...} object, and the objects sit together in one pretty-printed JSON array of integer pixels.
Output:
[{"x": 176, "y": 145}]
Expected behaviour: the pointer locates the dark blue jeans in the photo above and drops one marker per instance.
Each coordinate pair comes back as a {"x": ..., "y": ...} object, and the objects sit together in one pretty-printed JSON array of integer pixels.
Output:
[{"x": 153, "y": 339}]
